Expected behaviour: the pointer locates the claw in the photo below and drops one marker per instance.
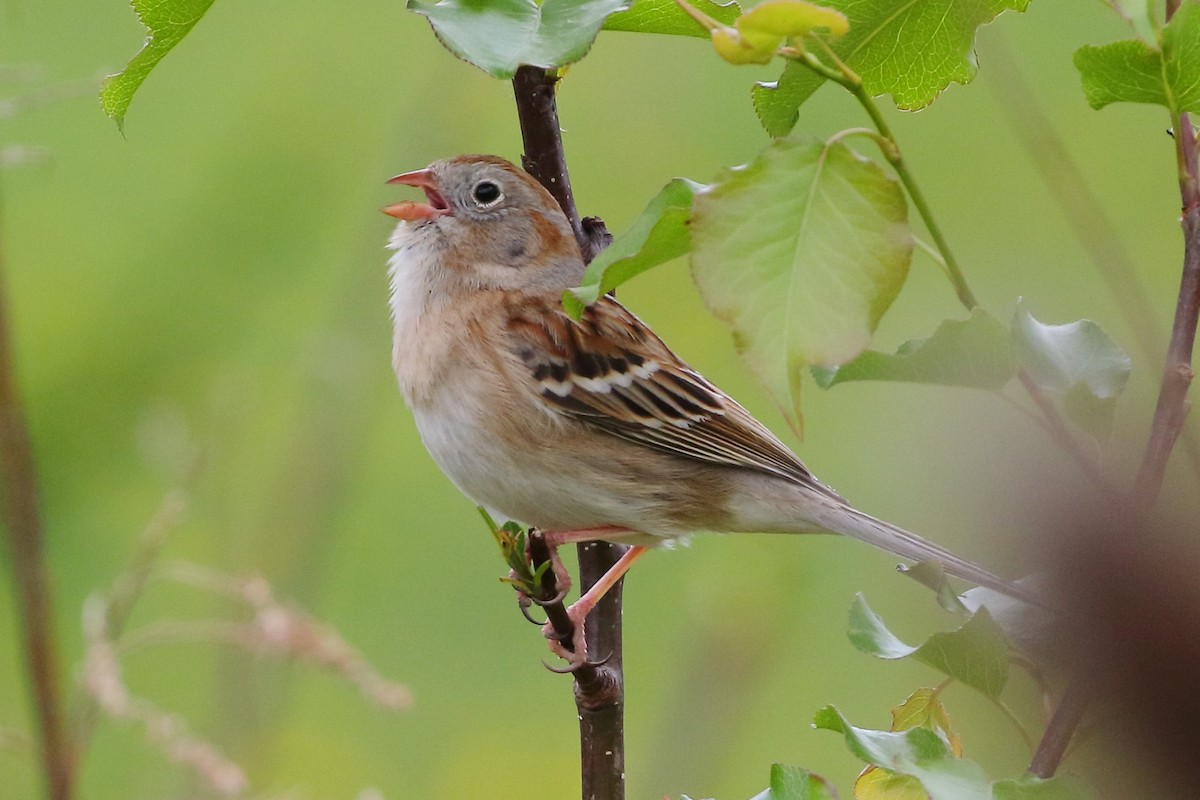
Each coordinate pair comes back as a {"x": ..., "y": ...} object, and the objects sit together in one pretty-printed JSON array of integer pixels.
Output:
[
  {"x": 575, "y": 666},
  {"x": 558, "y": 598},
  {"x": 523, "y": 602}
]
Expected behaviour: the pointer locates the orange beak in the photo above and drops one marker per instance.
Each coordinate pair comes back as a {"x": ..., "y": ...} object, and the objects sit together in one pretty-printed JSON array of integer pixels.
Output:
[{"x": 411, "y": 210}]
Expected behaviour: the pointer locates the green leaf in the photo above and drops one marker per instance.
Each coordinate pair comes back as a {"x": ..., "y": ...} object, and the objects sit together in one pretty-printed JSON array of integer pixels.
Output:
[
  {"x": 800, "y": 252},
  {"x": 974, "y": 352},
  {"x": 911, "y": 50},
  {"x": 500, "y": 35},
  {"x": 933, "y": 575},
  {"x": 1077, "y": 362},
  {"x": 665, "y": 16},
  {"x": 659, "y": 235},
  {"x": 975, "y": 654},
  {"x": 1029, "y": 787},
  {"x": 922, "y": 709},
  {"x": 918, "y": 752},
  {"x": 168, "y": 21},
  {"x": 795, "y": 783},
  {"x": 1134, "y": 71}
]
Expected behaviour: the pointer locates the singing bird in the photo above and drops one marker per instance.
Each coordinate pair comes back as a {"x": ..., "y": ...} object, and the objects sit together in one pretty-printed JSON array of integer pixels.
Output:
[{"x": 591, "y": 428}]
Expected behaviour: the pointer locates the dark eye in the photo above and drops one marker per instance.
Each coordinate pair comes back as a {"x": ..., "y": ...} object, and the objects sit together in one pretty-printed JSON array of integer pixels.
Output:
[{"x": 487, "y": 194}]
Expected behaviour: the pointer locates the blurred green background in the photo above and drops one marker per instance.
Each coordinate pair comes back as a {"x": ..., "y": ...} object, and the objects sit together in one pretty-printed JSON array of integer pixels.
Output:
[{"x": 214, "y": 282}]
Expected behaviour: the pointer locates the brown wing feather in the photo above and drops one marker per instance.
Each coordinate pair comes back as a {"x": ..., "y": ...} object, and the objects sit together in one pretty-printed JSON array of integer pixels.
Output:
[{"x": 610, "y": 371}]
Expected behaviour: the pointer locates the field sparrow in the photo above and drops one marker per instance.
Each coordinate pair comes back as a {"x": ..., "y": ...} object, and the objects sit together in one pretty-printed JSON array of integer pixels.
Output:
[{"x": 591, "y": 429}]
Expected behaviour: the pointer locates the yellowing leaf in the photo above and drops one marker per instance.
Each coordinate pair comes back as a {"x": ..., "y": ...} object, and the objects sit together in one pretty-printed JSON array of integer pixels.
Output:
[{"x": 789, "y": 18}]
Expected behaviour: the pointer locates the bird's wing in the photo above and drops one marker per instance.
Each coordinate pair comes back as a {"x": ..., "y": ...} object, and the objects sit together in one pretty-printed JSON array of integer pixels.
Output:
[{"x": 608, "y": 370}]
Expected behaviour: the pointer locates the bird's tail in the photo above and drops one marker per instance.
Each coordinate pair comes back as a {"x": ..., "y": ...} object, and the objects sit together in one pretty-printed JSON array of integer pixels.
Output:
[{"x": 853, "y": 523}]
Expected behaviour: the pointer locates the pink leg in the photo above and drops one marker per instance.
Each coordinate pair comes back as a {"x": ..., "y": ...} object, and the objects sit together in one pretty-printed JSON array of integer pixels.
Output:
[{"x": 583, "y": 606}]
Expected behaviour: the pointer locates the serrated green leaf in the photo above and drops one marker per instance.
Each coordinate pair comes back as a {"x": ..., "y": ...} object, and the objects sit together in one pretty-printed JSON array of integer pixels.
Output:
[
  {"x": 911, "y": 50},
  {"x": 1078, "y": 362},
  {"x": 788, "y": 18},
  {"x": 167, "y": 22},
  {"x": 658, "y": 235},
  {"x": 975, "y": 654},
  {"x": 800, "y": 252},
  {"x": 500, "y": 35},
  {"x": 1134, "y": 71},
  {"x": 975, "y": 352},
  {"x": 918, "y": 752},
  {"x": 665, "y": 16},
  {"x": 1029, "y": 787}
]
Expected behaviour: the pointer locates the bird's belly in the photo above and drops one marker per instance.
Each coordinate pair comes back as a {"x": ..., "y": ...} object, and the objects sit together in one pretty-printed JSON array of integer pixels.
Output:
[{"x": 530, "y": 483}]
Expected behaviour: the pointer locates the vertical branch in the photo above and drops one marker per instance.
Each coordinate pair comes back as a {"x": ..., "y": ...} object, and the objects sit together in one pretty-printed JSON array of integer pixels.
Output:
[
  {"x": 1172, "y": 406},
  {"x": 599, "y": 692},
  {"x": 19, "y": 496}
]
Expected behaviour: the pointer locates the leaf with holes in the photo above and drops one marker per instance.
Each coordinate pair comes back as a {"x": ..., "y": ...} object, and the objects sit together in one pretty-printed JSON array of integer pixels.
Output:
[
  {"x": 800, "y": 252},
  {"x": 910, "y": 50},
  {"x": 1133, "y": 71},
  {"x": 167, "y": 21},
  {"x": 500, "y": 35}
]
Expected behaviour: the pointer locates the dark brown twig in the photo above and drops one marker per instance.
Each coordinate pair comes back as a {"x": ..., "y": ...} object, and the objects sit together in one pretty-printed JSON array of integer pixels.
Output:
[
  {"x": 18, "y": 485},
  {"x": 599, "y": 690}
]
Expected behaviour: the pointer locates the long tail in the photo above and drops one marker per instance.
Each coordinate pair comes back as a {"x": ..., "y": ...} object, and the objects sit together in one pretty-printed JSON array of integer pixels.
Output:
[{"x": 850, "y": 521}]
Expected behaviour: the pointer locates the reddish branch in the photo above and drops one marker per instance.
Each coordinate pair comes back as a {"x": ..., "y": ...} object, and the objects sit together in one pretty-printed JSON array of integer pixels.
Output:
[
  {"x": 599, "y": 690},
  {"x": 1172, "y": 407},
  {"x": 19, "y": 497}
]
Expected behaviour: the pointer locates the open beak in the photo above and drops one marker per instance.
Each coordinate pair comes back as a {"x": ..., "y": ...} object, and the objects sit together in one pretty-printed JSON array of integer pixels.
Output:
[{"x": 410, "y": 209}]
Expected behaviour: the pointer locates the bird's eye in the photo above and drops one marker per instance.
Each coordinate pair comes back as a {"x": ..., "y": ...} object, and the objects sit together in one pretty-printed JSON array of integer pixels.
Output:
[{"x": 487, "y": 194}]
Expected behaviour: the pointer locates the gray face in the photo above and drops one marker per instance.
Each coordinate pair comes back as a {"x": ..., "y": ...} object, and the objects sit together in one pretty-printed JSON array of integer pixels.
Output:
[
  {"x": 510, "y": 233},
  {"x": 481, "y": 191}
]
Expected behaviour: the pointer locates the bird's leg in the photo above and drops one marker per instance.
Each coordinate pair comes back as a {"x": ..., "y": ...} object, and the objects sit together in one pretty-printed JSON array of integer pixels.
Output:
[
  {"x": 576, "y": 654},
  {"x": 574, "y": 650}
]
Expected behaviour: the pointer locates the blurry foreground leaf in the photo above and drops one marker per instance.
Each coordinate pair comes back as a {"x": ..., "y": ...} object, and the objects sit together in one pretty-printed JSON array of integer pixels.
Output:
[
  {"x": 500, "y": 35},
  {"x": 800, "y": 252},
  {"x": 1135, "y": 71},
  {"x": 911, "y": 51},
  {"x": 168, "y": 21},
  {"x": 918, "y": 752},
  {"x": 1077, "y": 362},
  {"x": 974, "y": 352},
  {"x": 659, "y": 235},
  {"x": 975, "y": 654},
  {"x": 795, "y": 783},
  {"x": 665, "y": 16}
]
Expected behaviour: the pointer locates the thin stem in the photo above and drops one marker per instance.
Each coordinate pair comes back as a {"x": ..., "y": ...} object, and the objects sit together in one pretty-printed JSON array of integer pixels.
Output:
[
  {"x": 22, "y": 520},
  {"x": 851, "y": 81},
  {"x": 599, "y": 691},
  {"x": 1172, "y": 407}
]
